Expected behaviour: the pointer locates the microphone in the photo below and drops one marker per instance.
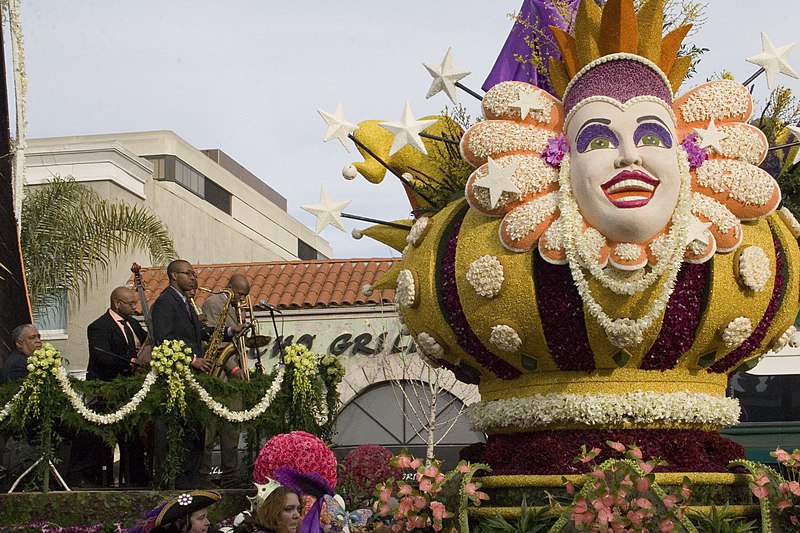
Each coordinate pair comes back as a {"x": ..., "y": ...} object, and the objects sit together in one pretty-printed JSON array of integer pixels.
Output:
[{"x": 265, "y": 305}]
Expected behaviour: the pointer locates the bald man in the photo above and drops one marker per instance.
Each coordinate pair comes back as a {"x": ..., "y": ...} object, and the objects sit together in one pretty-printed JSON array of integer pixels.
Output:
[{"x": 116, "y": 341}]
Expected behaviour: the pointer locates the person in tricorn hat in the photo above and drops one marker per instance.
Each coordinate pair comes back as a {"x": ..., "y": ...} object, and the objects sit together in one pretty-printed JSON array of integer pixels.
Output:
[{"x": 185, "y": 513}]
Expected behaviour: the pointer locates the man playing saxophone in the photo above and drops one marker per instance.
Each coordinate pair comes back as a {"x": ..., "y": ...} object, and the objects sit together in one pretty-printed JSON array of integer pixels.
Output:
[{"x": 224, "y": 309}]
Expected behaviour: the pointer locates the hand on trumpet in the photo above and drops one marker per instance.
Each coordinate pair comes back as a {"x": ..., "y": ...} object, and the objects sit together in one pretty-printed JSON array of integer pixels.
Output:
[{"x": 238, "y": 328}]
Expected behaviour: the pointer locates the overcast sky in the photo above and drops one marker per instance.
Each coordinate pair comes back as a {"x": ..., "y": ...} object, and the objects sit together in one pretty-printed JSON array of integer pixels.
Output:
[{"x": 248, "y": 77}]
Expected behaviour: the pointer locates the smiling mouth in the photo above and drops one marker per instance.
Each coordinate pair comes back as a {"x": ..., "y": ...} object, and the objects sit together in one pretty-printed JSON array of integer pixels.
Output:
[{"x": 630, "y": 188}]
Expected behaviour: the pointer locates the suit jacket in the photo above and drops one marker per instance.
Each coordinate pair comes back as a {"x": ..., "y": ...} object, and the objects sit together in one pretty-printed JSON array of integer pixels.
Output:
[
  {"x": 173, "y": 319},
  {"x": 15, "y": 367},
  {"x": 104, "y": 333}
]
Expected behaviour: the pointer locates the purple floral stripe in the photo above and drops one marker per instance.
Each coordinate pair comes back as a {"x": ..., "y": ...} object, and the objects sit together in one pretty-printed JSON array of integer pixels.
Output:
[
  {"x": 466, "y": 338},
  {"x": 561, "y": 311},
  {"x": 755, "y": 338},
  {"x": 681, "y": 319}
]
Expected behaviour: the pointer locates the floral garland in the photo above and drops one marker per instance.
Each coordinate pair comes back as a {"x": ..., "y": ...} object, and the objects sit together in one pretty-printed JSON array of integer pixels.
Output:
[
  {"x": 624, "y": 332},
  {"x": 43, "y": 362},
  {"x": 238, "y": 416},
  {"x": 638, "y": 408},
  {"x": 95, "y": 417},
  {"x": 171, "y": 359}
]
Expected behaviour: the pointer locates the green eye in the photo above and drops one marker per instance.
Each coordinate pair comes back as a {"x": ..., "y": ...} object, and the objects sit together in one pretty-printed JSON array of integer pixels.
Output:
[
  {"x": 599, "y": 143},
  {"x": 651, "y": 139}
]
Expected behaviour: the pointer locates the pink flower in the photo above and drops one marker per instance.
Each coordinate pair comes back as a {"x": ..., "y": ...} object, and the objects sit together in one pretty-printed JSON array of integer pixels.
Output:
[
  {"x": 644, "y": 503},
  {"x": 794, "y": 488},
  {"x": 783, "y": 504},
  {"x": 405, "y": 505},
  {"x": 403, "y": 461},
  {"x": 385, "y": 494},
  {"x": 666, "y": 525},
  {"x": 635, "y": 452},
  {"x": 464, "y": 468},
  {"x": 669, "y": 501},
  {"x": 425, "y": 485},
  {"x": 430, "y": 471},
  {"x": 470, "y": 489},
  {"x": 420, "y": 502},
  {"x": 569, "y": 487},
  {"x": 405, "y": 489},
  {"x": 760, "y": 492},
  {"x": 618, "y": 446},
  {"x": 438, "y": 510},
  {"x": 642, "y": 484},
  {"x": 599, "y": 474},
  {"x": 781, "y": 455}
]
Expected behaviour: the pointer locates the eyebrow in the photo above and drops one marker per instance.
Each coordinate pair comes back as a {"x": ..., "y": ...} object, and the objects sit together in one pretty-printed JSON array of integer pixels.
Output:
[
  {"x": 591, "y": 120},
  {"x": 651, "y": 117}
]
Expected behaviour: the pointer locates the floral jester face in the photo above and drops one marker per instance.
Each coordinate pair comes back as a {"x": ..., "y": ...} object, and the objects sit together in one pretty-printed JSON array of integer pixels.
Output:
[{"x": 625, "y": 173}]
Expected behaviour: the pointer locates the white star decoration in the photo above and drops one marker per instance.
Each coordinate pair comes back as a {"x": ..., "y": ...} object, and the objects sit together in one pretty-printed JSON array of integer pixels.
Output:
[
  {"x": 711, "y": 136},
  {"x": 445, "y": 76},
  {"x": 497, "y": 181},
  {"x": 327, "y": 212},
  {"x": 697, "y": 231},
  {"x": 773, "y": 60},
  {"x": 407, "y": 130},
  {"x": 528, "y": 102},
  {"x": 796, "y": 132},
  {"x": 338, "y": 127}
]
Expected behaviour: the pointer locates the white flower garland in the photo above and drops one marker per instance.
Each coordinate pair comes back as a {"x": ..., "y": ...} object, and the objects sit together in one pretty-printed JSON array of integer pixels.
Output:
[
  {"x": 7, "y": 407},
  {"x": 624, "y": 332},
  {"x": 638, "y": 408},
  {"x": 239, "y": 416},
  {"x": 429, "y": 346},
  {"x": 754, "y": 268},
  {"x": 737, "y": 331},
  {"x": 485, "y": 275},
  {"x": 110, "y": 418}
]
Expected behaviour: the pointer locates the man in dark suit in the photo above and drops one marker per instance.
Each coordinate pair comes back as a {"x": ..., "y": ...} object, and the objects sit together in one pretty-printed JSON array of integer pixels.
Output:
[
  {"x": 116, "y": 341},
  {"x": 27, "y": 339},
  {"x": 174, "y": 318}
]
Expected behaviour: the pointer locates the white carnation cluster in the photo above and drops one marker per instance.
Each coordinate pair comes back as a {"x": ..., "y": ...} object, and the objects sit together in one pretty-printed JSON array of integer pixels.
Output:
[
  {"x": 429, "y": 346},
  {"x": 406, "y": 292},
  {"x": 485, "y": 275},
  {"x": 737, "y": 331},
  {"x": 638, "y": 408},
  {"x": 418, "y": 231},
  {"x": 781, "y": 342},
  {"x": 505, "y": 338},
  {"x": 754, "y": 268}
]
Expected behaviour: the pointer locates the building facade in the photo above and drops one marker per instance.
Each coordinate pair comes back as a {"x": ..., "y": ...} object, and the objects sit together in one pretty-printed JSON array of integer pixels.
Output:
[{"x": 215, "y": 209}]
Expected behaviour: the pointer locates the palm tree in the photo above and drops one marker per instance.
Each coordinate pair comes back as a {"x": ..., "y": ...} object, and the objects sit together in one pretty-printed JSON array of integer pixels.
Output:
[{"x": 69, "y": 235}]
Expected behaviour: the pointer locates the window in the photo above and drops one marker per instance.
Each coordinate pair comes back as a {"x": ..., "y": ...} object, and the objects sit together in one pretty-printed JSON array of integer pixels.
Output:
[
  {"x": 305, "y": 251},
  {"x": 217, "y": 196},
  {"x": 374, "y": 416},
  {"x": 51, "y": 318}
]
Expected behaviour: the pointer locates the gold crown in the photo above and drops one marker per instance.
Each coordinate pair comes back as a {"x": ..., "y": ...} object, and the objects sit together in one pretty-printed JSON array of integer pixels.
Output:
[{"x": 617, "y": 28}]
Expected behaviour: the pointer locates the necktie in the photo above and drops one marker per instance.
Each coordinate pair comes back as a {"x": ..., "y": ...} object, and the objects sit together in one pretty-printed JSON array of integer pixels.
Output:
[{"x": 129, "y": 337}]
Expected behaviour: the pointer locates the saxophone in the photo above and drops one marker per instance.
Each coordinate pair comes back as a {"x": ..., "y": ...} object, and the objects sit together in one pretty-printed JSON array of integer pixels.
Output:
[{"x": 219, "y": 356}]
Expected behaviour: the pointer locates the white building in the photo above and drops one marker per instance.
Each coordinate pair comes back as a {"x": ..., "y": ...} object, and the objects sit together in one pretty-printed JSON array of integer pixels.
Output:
[{"x": 216, "y": 211}]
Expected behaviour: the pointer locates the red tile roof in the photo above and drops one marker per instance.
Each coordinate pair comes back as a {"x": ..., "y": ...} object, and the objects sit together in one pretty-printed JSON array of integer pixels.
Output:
[{"x": 288, "y": 284}]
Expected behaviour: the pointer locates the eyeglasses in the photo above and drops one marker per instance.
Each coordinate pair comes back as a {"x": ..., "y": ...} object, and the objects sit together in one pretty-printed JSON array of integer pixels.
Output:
[{"x": 189, "y": 273}]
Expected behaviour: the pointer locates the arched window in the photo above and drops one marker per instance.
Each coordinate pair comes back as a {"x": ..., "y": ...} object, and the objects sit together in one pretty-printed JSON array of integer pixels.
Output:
[{"x": 384, "y": 415}]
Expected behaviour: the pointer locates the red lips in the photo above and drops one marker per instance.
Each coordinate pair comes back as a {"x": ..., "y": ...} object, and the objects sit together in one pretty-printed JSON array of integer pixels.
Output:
[{"x": 629, "y": 189}]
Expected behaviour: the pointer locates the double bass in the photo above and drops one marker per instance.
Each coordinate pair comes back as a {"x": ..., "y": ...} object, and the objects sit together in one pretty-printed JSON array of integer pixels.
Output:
[{"x": 147, "y": 346}]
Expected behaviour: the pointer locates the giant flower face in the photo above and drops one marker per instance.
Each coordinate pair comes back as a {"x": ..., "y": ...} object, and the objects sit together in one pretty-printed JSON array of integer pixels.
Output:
[{"x": 625, "y": 173}]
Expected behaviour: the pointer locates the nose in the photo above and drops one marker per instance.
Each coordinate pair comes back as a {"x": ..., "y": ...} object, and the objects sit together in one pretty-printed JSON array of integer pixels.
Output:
[{"x": 628, "y": 155}]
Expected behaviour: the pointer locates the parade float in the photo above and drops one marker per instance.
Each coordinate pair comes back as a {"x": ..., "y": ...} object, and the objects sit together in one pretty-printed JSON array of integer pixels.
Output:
[{"x": 615, "y": 253}]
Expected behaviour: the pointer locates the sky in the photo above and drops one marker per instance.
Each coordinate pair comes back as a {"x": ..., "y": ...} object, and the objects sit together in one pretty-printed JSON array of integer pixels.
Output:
[{"x": 248, "y": 77}]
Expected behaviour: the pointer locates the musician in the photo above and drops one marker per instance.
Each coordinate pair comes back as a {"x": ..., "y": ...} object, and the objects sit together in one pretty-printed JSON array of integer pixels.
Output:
[
  {"x": 116, "y": 344},
  {"x": 27, "y": 339},
  {"x": 228, "y": 435},
  {"x": 175, "y": 319}
]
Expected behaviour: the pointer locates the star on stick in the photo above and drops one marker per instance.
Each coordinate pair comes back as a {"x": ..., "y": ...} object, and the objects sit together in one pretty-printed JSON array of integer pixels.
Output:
[
  {"x": 327, "y": 212},
  {"x": 407, "y": 130},
  {"x": 796, "y": 132},
  {"x": 697, "y": 231},
  {"x": 711, "y": 137},
  {"x": 338, "y": 127},
  {"x": 527, "y": 102},
  {"x": 497, "y": 181},
  {"x": 445, "y": 76},
  {"x": 773, "y": 60}
]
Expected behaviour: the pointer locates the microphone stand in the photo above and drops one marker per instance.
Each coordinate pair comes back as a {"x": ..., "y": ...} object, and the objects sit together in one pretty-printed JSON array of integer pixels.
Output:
[{"x": 277, "y": 337}]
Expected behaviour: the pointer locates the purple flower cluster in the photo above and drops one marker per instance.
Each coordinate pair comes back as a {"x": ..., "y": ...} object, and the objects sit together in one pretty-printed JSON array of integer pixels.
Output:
[
  {"x": 552, "y": 452},
  {"x": 681, "y": 319},
  {"x": 557, "y": 148},
  {"x": 49, "y": 527},
  {"x": 561, "y": 311},
  {"x": 697, "y": 155},
  {"x": 754, "y": 340},
  {"x": 452, "y": 303}
]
